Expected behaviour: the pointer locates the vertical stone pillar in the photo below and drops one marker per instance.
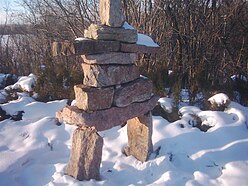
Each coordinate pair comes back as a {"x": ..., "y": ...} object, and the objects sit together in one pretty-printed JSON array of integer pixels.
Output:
[
  {"x": 111, "y": 13},
  {"x": 86, "y": 154},
  {"x": 139, "y": 132}
]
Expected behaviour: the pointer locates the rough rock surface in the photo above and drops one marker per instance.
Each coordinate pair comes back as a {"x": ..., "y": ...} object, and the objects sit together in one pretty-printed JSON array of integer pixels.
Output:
[
  {"x": 91, "y": 46},
  {"x": 108, "y": 75},
  {"x": 139, "y": 132},
  {"x": 101, "y": 32},
  {"x": 136, "y": 91},
  {"x": 86, "y": 154},
  {"x": 3, "y": 114},
  {"x": 219, "y": 102},
  {"x": 127, "y": 47},
  {"x": 84, "y": 46},
  {"x": 105, "y": 119},
  {"x": 169, "y": 116},
  {"x": 111, "y": 13},
  {"x": 110, "y": 58},
  {"x": 91, "y": 99}
]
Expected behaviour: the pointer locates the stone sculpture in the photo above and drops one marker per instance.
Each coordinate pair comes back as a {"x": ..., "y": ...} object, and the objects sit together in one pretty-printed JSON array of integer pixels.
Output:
[{"x": 112, "y": 93}]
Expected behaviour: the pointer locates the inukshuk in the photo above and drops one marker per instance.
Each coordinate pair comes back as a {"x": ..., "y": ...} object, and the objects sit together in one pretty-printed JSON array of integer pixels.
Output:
[{"x": 112, "y": 93}]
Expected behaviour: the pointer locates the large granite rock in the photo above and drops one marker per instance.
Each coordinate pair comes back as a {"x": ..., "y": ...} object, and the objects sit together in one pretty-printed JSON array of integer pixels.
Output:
[
  {"x": 86, "y": 154},
  {"x": 91, "y": 99},
  {"x": 135, "y": 48},
  {"x": 101, "y": 32},
  {"x": 105, "y": 119},
  {"x": 111, "y": 13},
  {"x": 91, "y": 46},
  {"x": 136, "y": 91},
  {"x": 139, "y": 131},
  {"x": 108, "y": 75},
  {"x": 219, "y": 102},
  {"x": 84, "y": 46},
  {"x": 110, "y": 58}
]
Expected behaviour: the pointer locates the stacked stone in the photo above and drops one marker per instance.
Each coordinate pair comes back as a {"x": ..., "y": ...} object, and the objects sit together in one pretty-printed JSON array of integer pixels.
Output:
[{"x": 112, "y": 93}]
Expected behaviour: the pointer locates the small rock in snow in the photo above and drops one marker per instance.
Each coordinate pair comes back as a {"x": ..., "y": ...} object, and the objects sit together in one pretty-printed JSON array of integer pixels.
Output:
[{"x": 219, "y": 102}]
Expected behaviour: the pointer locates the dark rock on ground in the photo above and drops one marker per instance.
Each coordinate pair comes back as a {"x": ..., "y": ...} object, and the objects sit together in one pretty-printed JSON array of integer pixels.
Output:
[
  {"x": 3, "y": 114},
  {"x": 171, "y": 117},
  {"x": 9, "y": 79},
  {"x": 197, "y": 122},
  {"x": 17, "y": 116}
]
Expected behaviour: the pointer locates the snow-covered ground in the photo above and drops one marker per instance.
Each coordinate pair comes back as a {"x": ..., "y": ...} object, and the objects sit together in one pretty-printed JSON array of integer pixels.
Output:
[{"x": 34, "y": 151}]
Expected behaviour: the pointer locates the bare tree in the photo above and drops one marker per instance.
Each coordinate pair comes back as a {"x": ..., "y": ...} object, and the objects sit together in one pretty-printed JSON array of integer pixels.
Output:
[{"x": 203, "y": 42}]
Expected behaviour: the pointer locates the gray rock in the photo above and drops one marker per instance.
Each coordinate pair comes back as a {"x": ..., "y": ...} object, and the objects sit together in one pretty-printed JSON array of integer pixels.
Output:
[
  {"x": 219, "y": 102},
  {"x": 110, "y": 58},
  {"x": 84, "y": 46},
  {"x": 91, "y": 99},
  {"x": 105, "y": 119},
  {"x": 136, "y": 91},
  {"x": 108, "y": 33},
  {"x": 86, "y": 154},
  {"x": 91, "y": 46},
  {"x": 139, "y": 131},
  {"x": 109, "y": 75},
  {"x": 111, "y": 13},
  {"x": 127, "y": 47}
]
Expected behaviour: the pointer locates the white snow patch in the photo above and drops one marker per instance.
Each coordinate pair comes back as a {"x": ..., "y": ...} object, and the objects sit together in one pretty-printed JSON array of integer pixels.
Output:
[
  {"x": 16, "y": 105},
  {"x": 81, "y": 39},
  {"x": 234, "y": 173},
  {"x": 219, "y": 99},
  {"x": 3, "y": 95},
  {"x": 238, "y": 77},
  {"x": 166, "y": 104},
  {"x": 42, "y": 66},
  {"x": 73, "y": 103},
  {"x": 146, "y": 40},
  {"x": 144, "y": 77},
  {"x": 127, "y": 26},
  {"x": 26, "y": 83}
]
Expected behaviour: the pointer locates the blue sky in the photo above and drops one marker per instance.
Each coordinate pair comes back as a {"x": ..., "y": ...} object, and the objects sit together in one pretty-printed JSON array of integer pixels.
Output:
[{"x": 11, "y": 5}]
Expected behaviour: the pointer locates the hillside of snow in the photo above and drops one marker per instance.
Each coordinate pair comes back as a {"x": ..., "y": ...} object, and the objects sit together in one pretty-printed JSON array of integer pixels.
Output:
[{"x": 35, "y": 150}]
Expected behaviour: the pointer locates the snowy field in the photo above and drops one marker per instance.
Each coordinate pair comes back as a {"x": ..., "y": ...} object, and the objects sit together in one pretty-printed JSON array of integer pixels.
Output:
[{"x": 35, "y": 150}]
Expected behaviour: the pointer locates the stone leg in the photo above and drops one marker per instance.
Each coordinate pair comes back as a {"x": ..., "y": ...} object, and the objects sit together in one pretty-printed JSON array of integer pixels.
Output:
[
  {"x": 86, "y": 154},
  {"x": 139, "y": 132}
]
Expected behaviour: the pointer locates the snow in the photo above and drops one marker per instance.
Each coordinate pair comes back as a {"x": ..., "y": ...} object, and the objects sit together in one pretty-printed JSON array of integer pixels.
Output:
[
  {"x": 25, "y": 83},
  {"x": 127, "y": 26},
  {"x": 170, "y": 72},
  {"x": 42, "y": 66},
  {"x": 219, "y": 99},
  {"x": 35, "y": 150},
  {"x": 166, "y": 104},
  {"x": 2, "y": 96},
  {"x": 234, "y": 173},
  {"x": 146, "y": 40},
  {"x": 81, "y": 39},
  {"x": 239, "y": 77},
  {"x": 142, "y": 39}
]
